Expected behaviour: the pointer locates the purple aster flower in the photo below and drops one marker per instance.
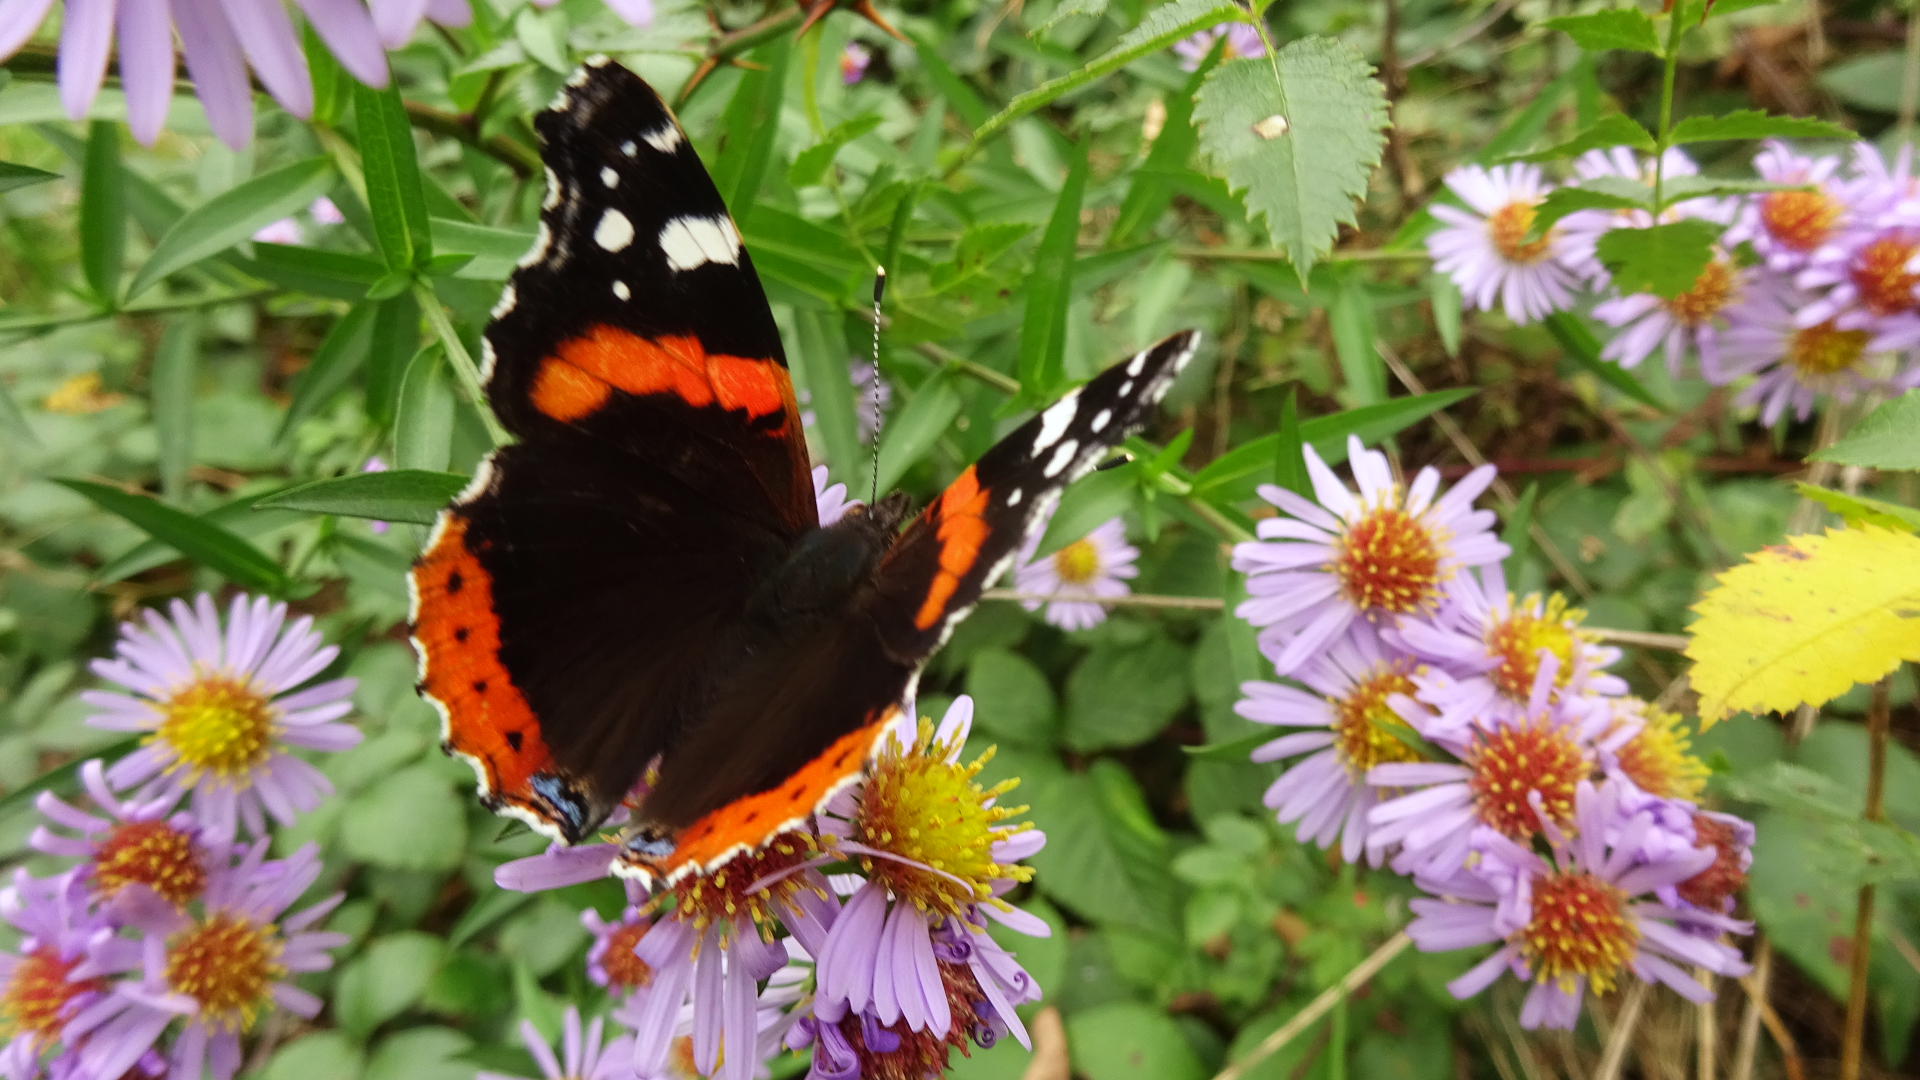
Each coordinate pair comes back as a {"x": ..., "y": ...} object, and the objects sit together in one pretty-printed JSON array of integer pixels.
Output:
[
  {"x": 1096, "y": 565},
  {"x": 853, "y": 63},
  {"x": 1656, "y": 758},
  {"x": 1793, "y": 364},
  {"x": 138, "y": 845},
  {"x": 611, "y": 961},
  {"x": 582, "y": 1057},
  {"x": 1486, "y": 250},
  {"x": 222, "y": 708},
  {"x": 217, "y": 971},
  {"x": 831, "y": 502},
  {"x": 1342, "y": 558},
  {"x": 1242, "y": 40},
  {"x": 1675, "y": 325},
  {"x": 1485, "y": 649},
  {"x": 1573, "y": 922},
  {"x": 39, "y": 990},
  {"x": 1350, "y": 729},
  {"x": 1787, "y": 227},
  {"x": 1870, "y": 269},
  {"x": 718, "y": 964}
]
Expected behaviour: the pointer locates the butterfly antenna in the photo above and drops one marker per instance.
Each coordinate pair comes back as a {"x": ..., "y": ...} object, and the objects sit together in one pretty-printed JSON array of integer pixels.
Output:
[{"x": 879, "y": 290}]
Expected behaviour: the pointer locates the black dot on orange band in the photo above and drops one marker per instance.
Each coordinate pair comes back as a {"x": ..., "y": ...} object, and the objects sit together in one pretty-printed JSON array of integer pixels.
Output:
[
  {"x": 460, "y": 634},
  {"x": 454, "y": 581},
  {"x": 513, "y": 739},
  {"x": 479, "y": 686}
]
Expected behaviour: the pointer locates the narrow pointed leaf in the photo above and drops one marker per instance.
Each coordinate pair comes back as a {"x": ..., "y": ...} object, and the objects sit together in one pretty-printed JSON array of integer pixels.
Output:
[
  {"x": 14, "y": 177},
  {"x": 176, "y": 368},
  {"x": 1584, "y": 349},
  {"x": 340, "y": 354},
  {"x": 394, "y": 193},
  {"x": 203, "y": 542},
  {"x": 412, "y": 495},
  {"x": 232, "y": 216},
  {"x": 103, "y": 212},
  {"x": 1043, "y": 329}
]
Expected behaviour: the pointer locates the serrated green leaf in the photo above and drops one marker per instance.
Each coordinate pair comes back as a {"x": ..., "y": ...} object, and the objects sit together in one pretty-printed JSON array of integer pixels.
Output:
[
  {"x": 341, "y": 353},
  {"x": 1858, "y": 509},
  {"x": 1753, "y": 124},
  {"x": 913, "y": 430},
  {"x": 1579, "y": 343},
  {"x": 1091, "y": 9},
  {"x": 14, "y": 177},
  {"x": 1615, "y": 28},
  {"x": 103, "y": 213},
  {"x": 394, "y": 193},
  {"x": 1664, "y": 260},
  {"x": 1887, "y": 438},
  {"x": 176, "y": 368},
  {"x": 1090, "y": 503},
  {"x": 1305, "y": 180},
  {"x": 1041, "y": 365},
  {"x": 810, "y": 165},
  {"x": 197, "y": 539},
  {"x": 232, "y": 216},
  {"x": 412, "y": 495},
  {"x": 1570, "y": 200},
  {"x": 1616, "y": 129}
]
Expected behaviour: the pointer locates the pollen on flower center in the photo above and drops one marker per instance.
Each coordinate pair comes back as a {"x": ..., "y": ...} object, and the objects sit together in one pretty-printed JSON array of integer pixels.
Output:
[
  {"x": 1077, "y": 563},
  {"x": 757, "y": 885},
  {"x": 1880, "y": 274},
  {"x": 1579, "y": 927},
  {"x": 1825, "y": 349},
  {"x": 37, "y": 999},
  {"x": 1508, "y": 226},
  {"x": 1514, "y": 761},
  {"x": 1711, "y": 887},
  {"x": 228, "y": 964},
  {"x": 217, "y": 725},
  {"x": 1799, "y": 220},
  {"x": 1389, "y": 560},
  {"x": 1712, "y": 291},
  {"x": 1368, "y": 732},
  {"x": 150, "y": 853},
  {"x": 1657, "y": 759},
  {"x": 625, "y": 971},
  {"x": 1517, "y": 640},
  {"x": 923, "y": 807}
]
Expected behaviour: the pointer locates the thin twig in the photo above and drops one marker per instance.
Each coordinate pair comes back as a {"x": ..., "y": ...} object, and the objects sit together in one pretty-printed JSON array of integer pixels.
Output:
[
  {"x": 1192, "y": 603},
  {"x": 1622, "y": 1036},
  {"x": 1050, "y": 1060},
  {"x": 1861, "y": 956},
  {"x": 1707, "y": 1028},
  {"x": 1782, "y": 1038},
  {"x": 1756, "y": 987},
  {"x": 464, "y": 371},
  {"x": 1318, "y": 1007},
  {"x": 1909, "y": 79},
  {"x": 1670, "y": 642}
]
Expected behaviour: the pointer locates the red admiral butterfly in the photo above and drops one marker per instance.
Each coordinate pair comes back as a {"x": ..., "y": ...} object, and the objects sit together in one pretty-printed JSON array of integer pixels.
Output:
[{"x": 642, "y": 579}]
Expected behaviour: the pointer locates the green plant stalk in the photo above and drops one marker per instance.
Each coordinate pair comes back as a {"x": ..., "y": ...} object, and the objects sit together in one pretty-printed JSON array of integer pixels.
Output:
[
  {"x": 463, "y": 366},
  {"x": 1860, "y": 956},
  {"x": 1670, "y": 68},
  {"x": 42, "y": 323},
  {"x": 1173, "y": 485}
]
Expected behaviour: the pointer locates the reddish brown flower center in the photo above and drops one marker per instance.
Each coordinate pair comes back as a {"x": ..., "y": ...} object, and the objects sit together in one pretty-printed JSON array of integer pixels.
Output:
[
  {"x": 1518, "y": 639},
  {"x": 1826, "y": 349},
  {"x": 1516, "y": 760},
  {"x": 1880, "y": 274},
  {"x": 1799, "y": 220},
  {"x": 1388, "y": 561},
  {"x": 1508, "y": 226},
  {"x": 36, "y": 1000},
  {"x": 1365, "y": 729},
  {"x": 625, "y": 971},
  {"x": 1711, "y": 291},
  {"x": 1711, "y": 887},
  {"x": 1579, "y": 927},
  {"x": 150, "y": 853},
  {"x": 922, "y": 1054},
  {"x": 228, "y": 964},
  {"x": 726, "y": 893}
]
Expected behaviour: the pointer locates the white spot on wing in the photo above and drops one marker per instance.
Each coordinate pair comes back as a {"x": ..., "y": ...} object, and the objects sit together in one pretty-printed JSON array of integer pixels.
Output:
[
  {"x": 1126, "y": 388},
  {"x": 1061, "y": 458},
  {"x": 629, "y": 147},
  {"x": 1014, "y": 497},
  {"x": 609, "y": 177},
  {"x": 691, "y": 242},
  {"x": 1100, "y": 420},
  {"x": 614, "y": 232},
  {"x": 665, "y": 139},
  {"x": 1138, "y": 363},
  {"x": 620, "y": 290},
  {"x": 1053, "y": 422}
]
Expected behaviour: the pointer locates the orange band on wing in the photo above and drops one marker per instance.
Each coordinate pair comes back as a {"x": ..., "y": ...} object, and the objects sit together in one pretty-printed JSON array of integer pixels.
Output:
[
  {"x": 583, "y": 371},
  {"x": 962, "y": 529},
  {"x": 456, "y": 629}
]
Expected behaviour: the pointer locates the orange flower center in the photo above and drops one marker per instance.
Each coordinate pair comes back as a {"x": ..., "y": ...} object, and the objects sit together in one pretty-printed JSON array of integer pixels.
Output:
[
  {"x": 1579, "y": 927},
  {"x": 1710, "y": 887},
  {"x": 1880, "y": 273},
  {"x": 36, "y": 999},
  {"x": 721, "y": 896},
  {"x": 1711, "y": 291},
  {"x": 625, "y": 971},
  {"x": 1077, "y": 563},
  {"x": 228, "y": 964},
  {"x": 1799, "y": 220},
  {"x": 1825, "y": 349},
  {"x": 1510, "y": 763},
  {"x": 1389, "y": 561},
  {"x": 1518, "y": 639},
  {"x": 1508, "y": 226},
  {"x": 1658, "y": 760},
  {"x": 1367, "y": 731},
  {"x": 150, "y": 853}
]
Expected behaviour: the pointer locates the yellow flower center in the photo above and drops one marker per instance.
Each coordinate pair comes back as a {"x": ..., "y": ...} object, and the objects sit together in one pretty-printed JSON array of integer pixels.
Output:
[
  {"x": 1826, "y": 350},
  {"x": 228, "y": 964},
  {"x": 1518, "y": 639},
  {"x": 1880, "y": 273},
  {"x": 1658, "y": 758},
  {"x": 1077, "y": 563},
  {"x": 922, "y": 807},
  {"x": 1712, "y": 291},
  {"x": 1799, "y": 220},
  {"x": 150, "y": 853},
  {"x": 35, "y": 1001},
  {"x": 1579, "y": 927},
  {"x": 1365, "y": 730},
  {"x": 729, "y": 892},
  {"x": 1388, "y": 561},
  {"x": 218, "y": 725},
  {"x": 1508, "y": 226},
  {"x": 1516, "y": 760}
]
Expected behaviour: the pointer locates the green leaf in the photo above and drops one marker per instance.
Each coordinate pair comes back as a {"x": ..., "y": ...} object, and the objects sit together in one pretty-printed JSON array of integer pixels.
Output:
[
  {"x": 1615, "y": 28},
  {"x": 1231, "y": 752},
  {"x": 829, "y": 385},
  {"x": 1130, "y": 1041},
  {"x": 1615, "y": 129},
  {"x": 1518, "y": 533},
  {"x": 1101, "y": 860},
  {"x": 492, "y": 907},
  {"x": 751, "y": 122},
  {"x": 14, "y": 177},
  {"x": 1290, "y": 464},
  {"x": 1444, "y": 296},
  {"x": 199, "y": 540},
  {"x": 1149, "y": 194},
  {"x": 1123, "y": 695},
  {"x": 175, "y": 372},
  {"x": 543, "y": 34},
  {"x": 421, "y": 1053},
  {"x": 232, "y": 216},
  {"x": 338, "y": 275},
  {"x": 394, "y": 193},
  {"x": 1664, "y": 260},
  {"x": 1867, "y": 82},
  {"x": 1858, "y": 509},
  {"x": 1578, "y": 342},
  {"x": 1091, "y": 9},
  {"x": 1753, "y": 124},
  {"x": 1569, "y": 200},
  {"x": 329, "y": 1054},
  {"x": 913, "y": 430},
  {"x": 1088, "y": 504},
  {"x": 1041, "y": 367},
  {"x": 1888, "y": 438},
  {"x": 383, "y": 981},
  {"x": 1012, "y": 698},
  {"x": 1328, "y": 434},
  {"x": 396, "y": 338},
  {"x": 235, "y": 515},
  {"x": 103, "y": 213},
  {"x": 810, "y": 165},
  {"x": 340, "y": 354},
  {"x": 1351, "y": 319},
  {"x": 495, "y": 251},
  {"x": 1678, "y": 189},
  {"x": 1303, "y": 180},
  {"x": 411, "y": 820},
  {"x": 423, "y": 420},
  {"x": 411, "y": 495}
]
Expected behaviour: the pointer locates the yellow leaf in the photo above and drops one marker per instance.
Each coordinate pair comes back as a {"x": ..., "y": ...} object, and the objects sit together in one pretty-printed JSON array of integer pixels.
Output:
[{"x": 1805, "y": 620}]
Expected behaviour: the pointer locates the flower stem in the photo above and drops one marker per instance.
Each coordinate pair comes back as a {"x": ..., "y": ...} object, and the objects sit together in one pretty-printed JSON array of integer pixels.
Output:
[
  {"x": 1319, "y": 1006},
  {"x": 1621, "y": 1037},
  {"x": 1860, "y": 957},
  {"x": 463, "y": 366},
  {"x": 1670, "y": 68}
]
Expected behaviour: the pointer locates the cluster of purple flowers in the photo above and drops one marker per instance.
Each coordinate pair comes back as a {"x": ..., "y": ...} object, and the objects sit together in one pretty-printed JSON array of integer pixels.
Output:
[
  {"x": 1810, "y": 290},
  {"x": 168, "y": 937},
  {"x": 1477, "y": 744}
]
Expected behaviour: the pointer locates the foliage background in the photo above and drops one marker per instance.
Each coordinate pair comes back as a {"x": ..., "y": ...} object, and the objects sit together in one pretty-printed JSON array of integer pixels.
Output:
[{"x": 1190, "y": 925}]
